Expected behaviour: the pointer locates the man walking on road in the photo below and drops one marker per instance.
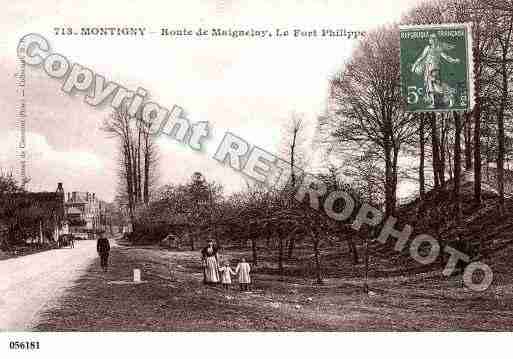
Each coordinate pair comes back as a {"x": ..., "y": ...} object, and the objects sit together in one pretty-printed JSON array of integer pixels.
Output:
[{"x": 103, "y": 248}]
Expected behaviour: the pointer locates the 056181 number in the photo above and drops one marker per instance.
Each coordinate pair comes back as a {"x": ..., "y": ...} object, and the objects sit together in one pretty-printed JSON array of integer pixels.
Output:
[{"x": 15, "y": 345}]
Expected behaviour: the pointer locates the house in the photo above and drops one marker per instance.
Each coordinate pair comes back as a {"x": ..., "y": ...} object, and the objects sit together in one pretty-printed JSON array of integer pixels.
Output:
[
  {"x": 84, "y": 212},
  {"x": 47, "y": 215},
  {"x": 33, "y": 214}
]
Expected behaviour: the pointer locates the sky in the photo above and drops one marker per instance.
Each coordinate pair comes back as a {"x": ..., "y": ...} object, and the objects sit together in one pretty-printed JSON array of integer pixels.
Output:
[{"x": 248, "y": 87}]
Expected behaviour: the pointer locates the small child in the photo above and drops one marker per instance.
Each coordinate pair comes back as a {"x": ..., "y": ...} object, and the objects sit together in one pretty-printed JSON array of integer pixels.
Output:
[
  {"x": 243, "y": 270},
  {"x": 226, "y": 274}
]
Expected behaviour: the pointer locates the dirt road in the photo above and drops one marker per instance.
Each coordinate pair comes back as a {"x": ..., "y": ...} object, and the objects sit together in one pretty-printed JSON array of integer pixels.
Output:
[{"x": 32, "y": 283}]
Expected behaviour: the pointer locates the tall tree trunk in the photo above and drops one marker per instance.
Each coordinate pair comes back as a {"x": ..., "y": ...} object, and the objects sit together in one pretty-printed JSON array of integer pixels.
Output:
[
  {"x": 389, "y": 178},
  {"x": 500, "y": 118},
  {"x": 395, "y": 178},
  {"x": 449, "y": 161},
  {"x": 318, "y": 269},
  {"x": 139, "y": 171},
  {"x": 244, "y": 239},
  {"x": 477, "y": 153},
  {"x": 147, "y": 157},
  {"x": 468, "y": 142},
  {"x": 443, "y": 139},
  {"x": 280, "y": 254},
  {"x": 422, "y": 179},
  {"x": 293, "y": 160},
  {"x": 435, "y": 147},
  {"x": 352, "y": 250},
  {"x": 191, "y": 239},
  {"x": 146, "y": 181},
  {"x": 500, "y": 162},
  {"x": 488, "y": 147},
  {"x": 268, "y": 238},
  {"x": 477, "y": 122},
  {"x": 129, "y": 183},
  {"x": 292, "y": 242},
  {"x": 139, "y": 178},
  {"x": 254, "y": 250},
  {"x": 133, "y": 173},
  {"x": 371, "y": 234},
  {"x": 457, "y": 165}
]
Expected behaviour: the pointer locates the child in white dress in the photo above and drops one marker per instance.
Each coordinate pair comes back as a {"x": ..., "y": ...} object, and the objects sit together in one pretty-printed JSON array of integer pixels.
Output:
[
  {"x": 226, "y": 275},
  {"x": 243, "y": 270}
]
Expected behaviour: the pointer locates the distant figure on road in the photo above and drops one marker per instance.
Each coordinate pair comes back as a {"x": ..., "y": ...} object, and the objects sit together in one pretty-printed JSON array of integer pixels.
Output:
[{"x": 103, "y": 249}]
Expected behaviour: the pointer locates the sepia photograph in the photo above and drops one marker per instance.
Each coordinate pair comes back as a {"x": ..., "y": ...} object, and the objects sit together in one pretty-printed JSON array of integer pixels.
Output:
[{"x": 235, "y": 171}]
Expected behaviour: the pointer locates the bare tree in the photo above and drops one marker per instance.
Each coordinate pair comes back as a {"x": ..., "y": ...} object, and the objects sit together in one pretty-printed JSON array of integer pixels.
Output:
[
  {"x": 500, "y": 61},
  {"x": 137, "y": 157},
  {"x": 294, "y": 149},
  {"x": 367, "y": 109}
]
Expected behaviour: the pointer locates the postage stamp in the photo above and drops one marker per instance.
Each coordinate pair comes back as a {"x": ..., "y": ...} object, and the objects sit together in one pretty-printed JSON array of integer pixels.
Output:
[{"x": 436, "y": 67}]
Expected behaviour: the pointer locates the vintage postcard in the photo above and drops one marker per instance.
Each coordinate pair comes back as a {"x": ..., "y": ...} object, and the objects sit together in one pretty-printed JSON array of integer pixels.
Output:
[{"x": 246, "y": 167}]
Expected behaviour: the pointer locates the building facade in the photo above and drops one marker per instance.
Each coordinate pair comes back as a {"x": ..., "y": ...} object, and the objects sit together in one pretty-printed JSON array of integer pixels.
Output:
[
  {"x": 84, "y": 213},
  {"x": 32, "y": 215}
]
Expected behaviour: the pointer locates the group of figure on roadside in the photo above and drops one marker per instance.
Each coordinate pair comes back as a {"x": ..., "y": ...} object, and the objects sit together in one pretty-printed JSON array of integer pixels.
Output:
[{"x": 214, "y": 273}]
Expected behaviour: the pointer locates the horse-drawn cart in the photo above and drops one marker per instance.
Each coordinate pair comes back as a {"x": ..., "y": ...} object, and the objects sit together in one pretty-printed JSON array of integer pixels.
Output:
[{"x": 66, "y": 240}]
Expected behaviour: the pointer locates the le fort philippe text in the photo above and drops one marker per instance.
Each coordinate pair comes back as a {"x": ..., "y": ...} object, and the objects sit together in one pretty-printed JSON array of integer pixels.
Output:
[
  {"x": 213, "y": 32},
  {"x": 277, "y": 32}
]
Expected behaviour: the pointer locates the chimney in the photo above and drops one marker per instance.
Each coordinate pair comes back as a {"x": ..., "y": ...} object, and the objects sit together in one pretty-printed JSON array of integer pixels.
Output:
[
  {"x": 69, "y": 197},
  {"x": 74, "y": 196},
  {"x": 94, "y": 196}
]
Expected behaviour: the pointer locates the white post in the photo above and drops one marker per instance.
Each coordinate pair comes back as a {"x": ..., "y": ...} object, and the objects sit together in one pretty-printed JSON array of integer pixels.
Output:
[{"x": 137, "y": 275}]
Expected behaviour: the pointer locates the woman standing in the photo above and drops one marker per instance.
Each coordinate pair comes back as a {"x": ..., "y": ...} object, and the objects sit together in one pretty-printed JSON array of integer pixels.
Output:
[{"x": 210, "y": 263}]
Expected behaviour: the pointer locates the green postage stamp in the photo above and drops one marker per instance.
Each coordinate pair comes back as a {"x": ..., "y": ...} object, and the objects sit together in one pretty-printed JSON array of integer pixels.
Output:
[{"x": 437, "y": 67}]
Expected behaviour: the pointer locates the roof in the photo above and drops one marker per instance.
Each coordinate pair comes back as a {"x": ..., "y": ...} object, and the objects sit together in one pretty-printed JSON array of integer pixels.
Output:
[
  {"x": 74, "y": 210},
  {"x": 78, "y": 197}
]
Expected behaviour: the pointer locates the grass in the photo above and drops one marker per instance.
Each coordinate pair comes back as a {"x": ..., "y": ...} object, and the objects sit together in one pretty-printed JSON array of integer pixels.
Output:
[
  {"x": 25, "y": 249},
  {"x": 172, "y": 298}
]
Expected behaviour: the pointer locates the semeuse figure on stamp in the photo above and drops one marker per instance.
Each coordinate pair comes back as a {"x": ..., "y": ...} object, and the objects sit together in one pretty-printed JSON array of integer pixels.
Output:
[{"x": 429, "y": 64}]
